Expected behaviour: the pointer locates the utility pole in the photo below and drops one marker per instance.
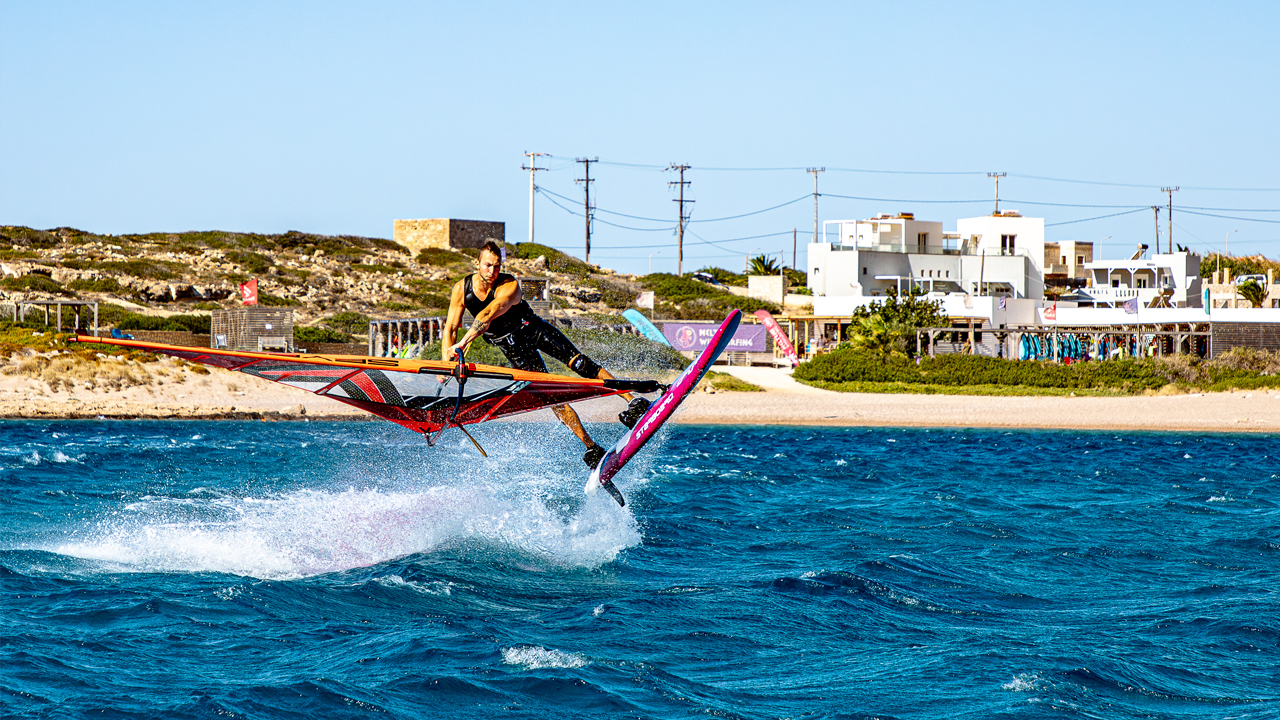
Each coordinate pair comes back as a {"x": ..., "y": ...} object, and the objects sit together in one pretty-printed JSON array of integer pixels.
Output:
[
  {"x": 815, "y": 171},
  {"x": 1170, "y": 191},
  {"x": 683, "y": 217},
  {"x": 1156, "y": 208},
  {"x": 532, "y": 167},
  {"x": 996, "y": 177},
  {"x": 587, "y": 209},
  {"x": 793, "y": 248}
]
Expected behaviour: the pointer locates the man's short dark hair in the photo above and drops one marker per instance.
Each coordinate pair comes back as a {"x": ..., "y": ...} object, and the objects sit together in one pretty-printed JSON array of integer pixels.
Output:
[{"x": 492, "y": 247}]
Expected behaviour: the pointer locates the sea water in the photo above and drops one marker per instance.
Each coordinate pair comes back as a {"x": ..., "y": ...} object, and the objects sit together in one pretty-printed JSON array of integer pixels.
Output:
[{"x": 334, "y": 570}]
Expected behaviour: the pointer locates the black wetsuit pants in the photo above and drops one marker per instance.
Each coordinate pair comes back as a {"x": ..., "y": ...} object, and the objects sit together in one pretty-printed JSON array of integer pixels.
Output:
[{"x": 522, "y": 345}]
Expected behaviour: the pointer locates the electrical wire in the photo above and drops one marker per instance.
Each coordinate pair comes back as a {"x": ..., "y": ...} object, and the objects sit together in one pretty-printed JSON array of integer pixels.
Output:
[
  {"x": 1025, "y": 176},
  {"x": 898, "y": 200},
  {"x": 596, "y": 219},
  {"x": 1232, "y": 217},
  {"x": 1100, "y": 217}
]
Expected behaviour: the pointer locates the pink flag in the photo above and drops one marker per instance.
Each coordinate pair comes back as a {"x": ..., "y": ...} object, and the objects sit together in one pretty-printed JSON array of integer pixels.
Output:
[{"x": 779, "y": 337}]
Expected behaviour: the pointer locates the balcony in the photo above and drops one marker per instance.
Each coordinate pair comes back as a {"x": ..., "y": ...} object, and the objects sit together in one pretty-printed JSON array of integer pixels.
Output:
[{"x": 911, "y": 249}]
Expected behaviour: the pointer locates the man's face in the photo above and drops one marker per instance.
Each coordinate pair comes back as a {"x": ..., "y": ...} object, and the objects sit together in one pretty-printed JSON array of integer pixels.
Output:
[{"x": 489, "y": 266}]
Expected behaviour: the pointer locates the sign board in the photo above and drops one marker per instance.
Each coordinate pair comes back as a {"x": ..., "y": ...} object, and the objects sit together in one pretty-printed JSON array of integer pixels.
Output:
[{"x": 694, "y": 336}]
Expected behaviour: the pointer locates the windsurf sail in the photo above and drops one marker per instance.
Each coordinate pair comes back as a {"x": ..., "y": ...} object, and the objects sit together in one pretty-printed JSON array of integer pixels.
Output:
[{"x": 425, "y": 396}]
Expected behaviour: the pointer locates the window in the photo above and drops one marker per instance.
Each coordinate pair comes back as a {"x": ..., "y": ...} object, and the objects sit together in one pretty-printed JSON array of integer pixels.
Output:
[
  {"x": 864, "y": 271},
  {"x": 1064, "y": 260},
  {"x": 922, "y": 240},
  {"x": 1115, "y": 282},
  {"x": 1007, "y": 244},
  {"x": 1142, "y": 282},
  {"x": 1079, "y": 259}
]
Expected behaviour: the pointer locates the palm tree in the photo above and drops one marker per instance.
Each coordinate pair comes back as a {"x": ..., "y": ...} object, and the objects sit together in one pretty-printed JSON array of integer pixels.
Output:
[
  {"x": 876, "y": 335},
  {"x": 763, "y": 265},
  {"x": 1252, "y": 291}
]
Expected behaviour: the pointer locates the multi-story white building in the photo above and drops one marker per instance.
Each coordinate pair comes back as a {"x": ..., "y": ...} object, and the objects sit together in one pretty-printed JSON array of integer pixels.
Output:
[
  {"x": 1003, "y": 253},
  {"x": 1173, "y": 277}
]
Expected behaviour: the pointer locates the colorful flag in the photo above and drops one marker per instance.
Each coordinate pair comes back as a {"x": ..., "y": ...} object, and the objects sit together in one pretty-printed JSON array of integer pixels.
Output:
[
  {"x": 1051, "y": 312},
  {"x": 1131, "y": 306},
  {"x": 249, "y": 292},
  {"x": 1003, "y": 300},
  {"x": 645, "y": 299},
  {"x": 780, "y": 339},
  {"x": 1208, "y": 304}
]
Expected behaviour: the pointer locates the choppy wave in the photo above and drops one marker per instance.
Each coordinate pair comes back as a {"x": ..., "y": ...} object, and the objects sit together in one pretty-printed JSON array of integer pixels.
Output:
[
  {"x": 313, "y": 532},
  {"x": 202, "y": 569}
]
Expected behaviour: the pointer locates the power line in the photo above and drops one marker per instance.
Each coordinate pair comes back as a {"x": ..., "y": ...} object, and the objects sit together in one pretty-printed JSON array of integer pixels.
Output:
[
  {"x": 575, "y": 213},
  {"x": 1100, "y": 217},
  {"x": 899, "y": 200},
  {"x": 878, "y": 171},
  {"x": 1231, "y": 217}
]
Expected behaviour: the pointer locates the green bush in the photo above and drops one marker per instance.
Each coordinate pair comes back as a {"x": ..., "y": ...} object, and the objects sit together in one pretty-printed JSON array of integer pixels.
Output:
[
  {"x": 351, "y": 323},
  {"x": 725, "y": 276},
  {"x": 255, "y": 263},
  {"x": 199, "y": 324},
  {"x": 438, "y": 257},
  {"x": 276, "y": 301},
  {"x": 616, "y": 294},
  {"x": 34, "y": 283},
  {"x": 102, "y": 285},
  {"x": 319, "y": 335},
  {"x": 151, "y": 269},
  {"x": 848, "y": 365},
  {"x": 683, "y": 298},
  {"x": 556, "y": 261}
]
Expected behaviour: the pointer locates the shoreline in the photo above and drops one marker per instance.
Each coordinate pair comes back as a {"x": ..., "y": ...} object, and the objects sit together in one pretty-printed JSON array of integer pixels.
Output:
[{"x": 222, "y": 395}]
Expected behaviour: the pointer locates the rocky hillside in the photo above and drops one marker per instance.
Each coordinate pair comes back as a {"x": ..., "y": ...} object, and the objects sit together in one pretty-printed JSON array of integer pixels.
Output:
[{"x": 319, "y": 276}]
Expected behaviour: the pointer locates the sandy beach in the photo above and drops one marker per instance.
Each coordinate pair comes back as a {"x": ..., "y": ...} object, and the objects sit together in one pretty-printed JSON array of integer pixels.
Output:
[{"x": 180, "y": 393}]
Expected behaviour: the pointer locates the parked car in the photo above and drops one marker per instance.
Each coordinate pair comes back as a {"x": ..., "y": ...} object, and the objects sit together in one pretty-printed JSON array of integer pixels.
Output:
[
  {"x": 1260, "y": 279},
  {"x": 707, "y": 278}
]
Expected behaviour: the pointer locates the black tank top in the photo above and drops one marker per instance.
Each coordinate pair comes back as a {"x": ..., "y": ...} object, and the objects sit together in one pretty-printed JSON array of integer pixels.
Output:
[{"x": 509, "y": 321}]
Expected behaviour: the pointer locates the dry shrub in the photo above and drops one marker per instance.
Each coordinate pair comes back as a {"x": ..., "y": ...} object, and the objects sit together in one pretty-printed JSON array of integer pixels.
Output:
[
  {"x": 32, "y": 366},
  {"x": 1248, "y": 359},
  {"x": 1180, "y": 368},
  {"x": 71, "y": 371}
]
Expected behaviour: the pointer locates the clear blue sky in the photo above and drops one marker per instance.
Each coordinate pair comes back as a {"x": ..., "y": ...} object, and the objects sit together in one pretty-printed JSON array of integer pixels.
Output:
[{"x": 339, "y": 118}]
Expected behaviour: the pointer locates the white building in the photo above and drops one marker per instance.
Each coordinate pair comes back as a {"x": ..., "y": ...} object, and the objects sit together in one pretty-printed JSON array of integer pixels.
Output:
[
  {"x": 1005, "y": 253},
  {"x": 1172, "y": 277}
]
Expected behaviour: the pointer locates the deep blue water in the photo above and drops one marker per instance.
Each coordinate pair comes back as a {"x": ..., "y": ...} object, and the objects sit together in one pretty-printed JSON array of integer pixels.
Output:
[{"x": 227, "y": 569}]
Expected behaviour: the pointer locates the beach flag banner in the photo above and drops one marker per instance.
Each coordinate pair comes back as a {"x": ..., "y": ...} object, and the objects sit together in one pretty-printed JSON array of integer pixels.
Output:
[
  {"x": 1208, "y": 305},
  {"x": 1051, "y": 312},
  {"x": 780, "y": 339},
  {"x": 645, "y": 299},
  {"x": 1131, "y": 306},
  {"x": 249, "y": 292},
  {"x": 1003, "y": 301}
]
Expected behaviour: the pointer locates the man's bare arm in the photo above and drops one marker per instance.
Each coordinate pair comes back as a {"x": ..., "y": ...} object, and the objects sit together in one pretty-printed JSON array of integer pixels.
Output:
[{"x": 505, "y": 297}]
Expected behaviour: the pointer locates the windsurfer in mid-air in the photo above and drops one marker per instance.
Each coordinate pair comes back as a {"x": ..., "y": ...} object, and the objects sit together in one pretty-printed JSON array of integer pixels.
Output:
[{"x": 505, "y": 320}]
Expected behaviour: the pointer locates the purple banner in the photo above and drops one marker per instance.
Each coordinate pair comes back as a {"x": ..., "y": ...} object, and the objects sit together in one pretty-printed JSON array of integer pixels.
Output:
[{"x": 695, "y": 336}]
